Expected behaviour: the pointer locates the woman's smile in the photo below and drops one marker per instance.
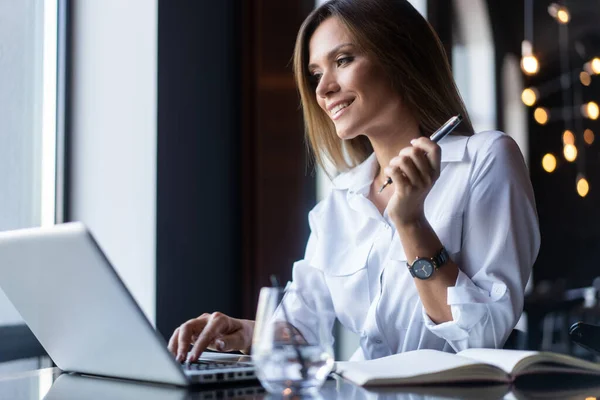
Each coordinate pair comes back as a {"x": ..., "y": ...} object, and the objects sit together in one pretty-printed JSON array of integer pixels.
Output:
[{"x": 338, "y": 108}]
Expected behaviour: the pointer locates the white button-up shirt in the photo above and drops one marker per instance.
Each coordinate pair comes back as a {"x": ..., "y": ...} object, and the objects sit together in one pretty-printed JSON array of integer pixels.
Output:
[{"x": 482, "y": 209}]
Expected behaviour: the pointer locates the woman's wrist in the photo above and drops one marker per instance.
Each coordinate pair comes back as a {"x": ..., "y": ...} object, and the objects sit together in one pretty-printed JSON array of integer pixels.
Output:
[
  {"x": 410, "y": 225},
  {"x": 248, "y": 333},
  {"x": 418, "y": 238}
]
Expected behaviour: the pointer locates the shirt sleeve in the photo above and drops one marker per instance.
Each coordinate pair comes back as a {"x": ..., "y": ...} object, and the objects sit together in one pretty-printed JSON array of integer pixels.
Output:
[
  {"x": 309, "y": 297},
  {"x": 501, "y": 240}
]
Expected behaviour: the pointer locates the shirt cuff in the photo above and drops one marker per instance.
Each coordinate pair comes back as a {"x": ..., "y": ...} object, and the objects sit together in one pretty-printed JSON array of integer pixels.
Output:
[{"x": 468, "y": 305}]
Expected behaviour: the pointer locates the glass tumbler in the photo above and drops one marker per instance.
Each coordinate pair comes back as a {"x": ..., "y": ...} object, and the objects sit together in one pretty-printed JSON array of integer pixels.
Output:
[{"x": 292, "y": 346}]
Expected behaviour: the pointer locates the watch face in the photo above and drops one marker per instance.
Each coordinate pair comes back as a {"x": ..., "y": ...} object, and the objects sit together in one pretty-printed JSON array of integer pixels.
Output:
[{"x": 422, "y": 268}]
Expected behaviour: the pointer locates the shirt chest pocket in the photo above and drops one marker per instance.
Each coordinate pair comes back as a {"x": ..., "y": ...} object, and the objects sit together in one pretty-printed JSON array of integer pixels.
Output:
[{"x": 345, "y": 272}]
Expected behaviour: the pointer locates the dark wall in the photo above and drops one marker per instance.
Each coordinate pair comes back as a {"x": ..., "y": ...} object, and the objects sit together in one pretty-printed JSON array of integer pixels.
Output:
[
  {"x": 233, "y": 188},
  {"x": 198, "y": 204},
  {"x": 440, "y": 15},
  {"x": 278, "y": 186}
]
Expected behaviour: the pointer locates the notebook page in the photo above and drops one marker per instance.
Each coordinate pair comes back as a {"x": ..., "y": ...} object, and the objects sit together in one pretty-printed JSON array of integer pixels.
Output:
[
  {"x": 504, "y": 359},
  {"x": 402, "y": 366}
]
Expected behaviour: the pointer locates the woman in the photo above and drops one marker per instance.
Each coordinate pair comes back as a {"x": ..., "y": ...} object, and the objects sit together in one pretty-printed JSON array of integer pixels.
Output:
[{"x": 375, "y": 84}]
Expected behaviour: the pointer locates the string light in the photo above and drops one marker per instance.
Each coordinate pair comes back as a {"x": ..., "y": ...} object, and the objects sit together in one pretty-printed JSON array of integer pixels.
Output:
[
  {"x": 588, "y": 136},
  {"x": 563, "y": 16},
  {"x": 592, "y": 66},
  {"x": 596, "y": 65},
  {"x": 560, "y": 13},
  {"x": 529, "y": 96},
  {"x": 568, "y": 137},
  {"x": 590, "y": 110},
  {"x": 585, "y": 78},
  {"x": 549, "y": 163},
  {"x": 529, "y": 63},
  {"x": 583, "y": 187},
  {"x": 541, "y": 115},
  {"x": 570, "y": 152}
]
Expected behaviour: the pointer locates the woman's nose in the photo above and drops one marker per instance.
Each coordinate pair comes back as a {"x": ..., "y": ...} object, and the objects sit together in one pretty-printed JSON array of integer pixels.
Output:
[{"x": 327, "y": 85}]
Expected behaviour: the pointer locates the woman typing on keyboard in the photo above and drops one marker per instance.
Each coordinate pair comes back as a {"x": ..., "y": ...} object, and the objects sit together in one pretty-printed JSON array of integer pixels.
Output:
[{"x": 419, "y": 244}]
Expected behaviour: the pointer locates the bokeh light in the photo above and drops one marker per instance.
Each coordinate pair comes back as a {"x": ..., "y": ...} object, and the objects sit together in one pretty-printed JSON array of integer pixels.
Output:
[
  {"x": 588, "y": 136},
  {"x": 549, "y": 162},
  {"x": 568, "y": 137},
  {"x": 585, "y": 78},
  {"x": 529, "y": 96},
  {"x": 570, "y": 152},
  {"x": 541, "y": 115},
  {"x": 583, "y": 187},
  {"x": 530, "y": 65}
]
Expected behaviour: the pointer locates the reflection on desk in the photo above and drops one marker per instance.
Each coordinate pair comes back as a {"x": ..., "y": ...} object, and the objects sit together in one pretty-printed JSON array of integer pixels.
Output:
[
  {"x": 71, "y": 386},
  {"x": 49, "y": 384}
]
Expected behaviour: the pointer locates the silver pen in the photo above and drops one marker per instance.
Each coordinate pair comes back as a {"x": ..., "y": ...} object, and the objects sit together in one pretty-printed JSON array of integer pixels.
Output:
[{"x": 436, "y": 137}]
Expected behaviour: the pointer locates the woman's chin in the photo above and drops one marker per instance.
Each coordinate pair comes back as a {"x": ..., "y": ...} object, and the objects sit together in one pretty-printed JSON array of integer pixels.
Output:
[{"x": 345, "y": 135}]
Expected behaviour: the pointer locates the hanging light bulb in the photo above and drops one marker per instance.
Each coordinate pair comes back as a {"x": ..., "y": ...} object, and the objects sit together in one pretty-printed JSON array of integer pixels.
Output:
[
  {"x": 588, "y": 136},
  {"x": 585, "y": 78},
  {"x": 590, "y": 110},
  {"x": 583, "y": 187},
  {"x": 595, "y": 65},
  {"x": 568, "y": 137},
  {"x": 592, "y": 66},
  {"x": 560, "y": 13},
  {"x": 541, "y": 115},
  {"x": 529, "y": 63},
  {"x": 549, "y": 162},
  {"x": 529, "y": 96},
  {"x": 570, "y": 152}
]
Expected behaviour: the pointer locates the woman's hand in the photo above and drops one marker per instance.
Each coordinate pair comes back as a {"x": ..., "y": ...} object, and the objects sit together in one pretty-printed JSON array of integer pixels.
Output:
[
  {"x": 413, "y": 171},
  {"x": 214, "y": 331}
]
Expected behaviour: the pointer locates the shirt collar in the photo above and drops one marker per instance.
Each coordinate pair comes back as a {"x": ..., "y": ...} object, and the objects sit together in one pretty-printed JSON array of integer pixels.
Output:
[{"x": 360, "y": 177}]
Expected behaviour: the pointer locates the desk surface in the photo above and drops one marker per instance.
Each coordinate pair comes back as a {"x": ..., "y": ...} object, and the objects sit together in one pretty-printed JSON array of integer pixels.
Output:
[{"x": 50, "y": 384}]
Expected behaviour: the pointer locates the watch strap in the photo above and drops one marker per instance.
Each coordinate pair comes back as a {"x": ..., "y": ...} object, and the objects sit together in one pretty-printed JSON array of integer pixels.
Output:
[{"x": 441, "y": 257}]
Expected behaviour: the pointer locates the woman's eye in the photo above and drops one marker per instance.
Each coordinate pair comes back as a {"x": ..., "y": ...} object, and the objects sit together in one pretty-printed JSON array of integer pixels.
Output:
[{"x": 344, "y": 60}]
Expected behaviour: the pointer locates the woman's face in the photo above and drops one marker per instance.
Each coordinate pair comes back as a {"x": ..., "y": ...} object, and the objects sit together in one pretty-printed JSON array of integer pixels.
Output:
[{"x": 350, "y": 86}]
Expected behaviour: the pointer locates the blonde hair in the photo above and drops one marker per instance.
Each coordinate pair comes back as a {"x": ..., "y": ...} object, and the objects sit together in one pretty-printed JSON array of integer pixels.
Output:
[{"x": 412, "y": 57}]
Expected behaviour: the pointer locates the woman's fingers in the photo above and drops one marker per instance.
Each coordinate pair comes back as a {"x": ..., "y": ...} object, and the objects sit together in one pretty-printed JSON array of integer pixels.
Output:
[
  {"x": 432, "y": 152},
  {"x": 173, "y": 342},
  {"x": 188, "y": 332},
  {"x": 216, "y": 330},
  {"x": 407, "y": 165},
  {"x": 423, "y": 166},
  {"x": 231, "y": 342},
  {"x": 398, "y": 177},
  {"x": 217, "y": 325},
  {"x": 414, "y": 166}
]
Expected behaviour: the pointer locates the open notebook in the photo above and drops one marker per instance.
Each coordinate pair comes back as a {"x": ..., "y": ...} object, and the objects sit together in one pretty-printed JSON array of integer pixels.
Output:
[{"x": 422, "y": 367}]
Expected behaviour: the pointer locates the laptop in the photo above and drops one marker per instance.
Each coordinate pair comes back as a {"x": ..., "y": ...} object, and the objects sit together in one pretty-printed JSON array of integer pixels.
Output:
[{"x": 80, "y": 311}]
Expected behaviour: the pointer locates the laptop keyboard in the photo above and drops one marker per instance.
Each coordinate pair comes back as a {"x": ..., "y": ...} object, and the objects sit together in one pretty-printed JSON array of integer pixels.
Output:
[
  {"x": 213, "y": 371},
  {"x": 213, "y": 365}
]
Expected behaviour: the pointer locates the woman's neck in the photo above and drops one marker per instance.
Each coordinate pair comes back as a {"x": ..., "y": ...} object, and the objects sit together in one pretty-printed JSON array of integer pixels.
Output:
[{"x": 388, "y": 145}]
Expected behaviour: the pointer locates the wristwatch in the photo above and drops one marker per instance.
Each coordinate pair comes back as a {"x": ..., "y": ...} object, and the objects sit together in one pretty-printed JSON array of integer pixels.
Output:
[{"x": 424, "y": 267}]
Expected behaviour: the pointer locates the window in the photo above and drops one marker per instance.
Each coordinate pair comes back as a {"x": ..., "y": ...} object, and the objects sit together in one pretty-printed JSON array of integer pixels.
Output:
[{"x": 28, "y": 99}]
